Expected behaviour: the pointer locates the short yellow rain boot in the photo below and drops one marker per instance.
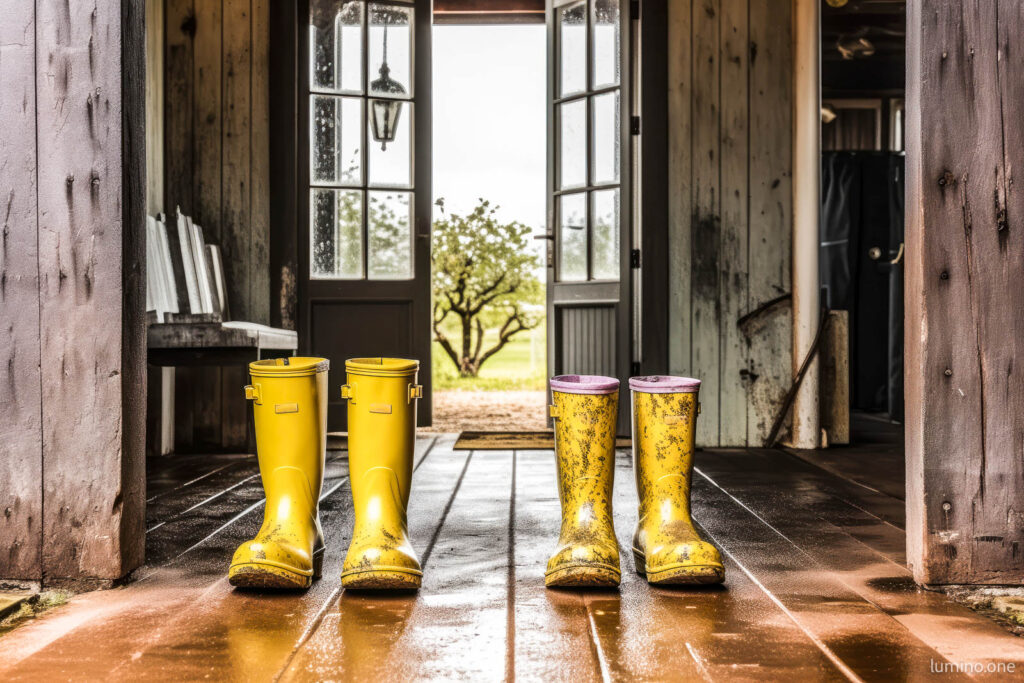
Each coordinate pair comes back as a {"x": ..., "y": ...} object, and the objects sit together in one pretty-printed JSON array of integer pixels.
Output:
[
  {"x": 382, "y": 394},
  {"x": 289, "y": 398},
  {"x": 666, "y": 546},
  {"x": 584, "y": 409}
]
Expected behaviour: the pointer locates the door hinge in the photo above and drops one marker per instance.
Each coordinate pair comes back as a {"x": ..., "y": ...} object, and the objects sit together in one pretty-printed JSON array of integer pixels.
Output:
[
  {"x": 634, "y": 125},
  {"x": 634, "y": 258},
  {"x": 634, "y": 369}
]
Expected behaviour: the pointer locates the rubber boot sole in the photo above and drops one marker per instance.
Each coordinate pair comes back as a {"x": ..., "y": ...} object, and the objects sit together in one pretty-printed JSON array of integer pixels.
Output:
[
  {"x": 262, "y": 575},
  {"x": 679, "y": 574},
  {"x": 583, "y": 576},
  {"x": 381, "y": 579}
]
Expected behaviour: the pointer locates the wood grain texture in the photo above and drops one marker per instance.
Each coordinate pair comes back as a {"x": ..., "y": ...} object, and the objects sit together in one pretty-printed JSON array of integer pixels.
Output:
[
  {"x": 155, "y": 33},
  {"x": 21, "y": 455},
  {"x": 706, "y": 221},
  {"x": 734, "y": 152},
  {"x": 769, "y": 373},
  {"x": 259, "y": 182},
  {"x": 91, "y": 195},
  {"x": 680, "y": 201},
  {"x": 178, "y": 105},
  {"x": 965, "y": 269},
  {"x": 730, "y": 209},
  {"x": 235, "y": 131}
]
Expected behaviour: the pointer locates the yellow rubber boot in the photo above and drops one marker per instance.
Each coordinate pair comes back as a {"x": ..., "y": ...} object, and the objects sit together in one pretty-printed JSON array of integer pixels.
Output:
[
  {"x": 382, "y": 394},
  {"x": 666, "y": 546},
  {"x": 289, "y": 398},
  {"x": 584, "y": 408}
]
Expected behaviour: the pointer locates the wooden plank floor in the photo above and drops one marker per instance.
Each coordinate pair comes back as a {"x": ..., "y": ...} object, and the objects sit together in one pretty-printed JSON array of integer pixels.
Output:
[{"x": 816, "y": 588}]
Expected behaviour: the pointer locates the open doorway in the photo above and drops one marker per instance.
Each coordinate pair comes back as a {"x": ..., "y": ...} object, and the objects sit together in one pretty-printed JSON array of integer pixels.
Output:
[
  {"x": 863, "y": 54},
  {"x": 489, "y": 164}
]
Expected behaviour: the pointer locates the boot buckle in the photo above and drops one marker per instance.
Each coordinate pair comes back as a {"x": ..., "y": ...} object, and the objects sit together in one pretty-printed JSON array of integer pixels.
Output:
[
  {"x": 348, "y": 392},
  {"x": 415, "y": 391},
  {"x": 553, "y": 412}
]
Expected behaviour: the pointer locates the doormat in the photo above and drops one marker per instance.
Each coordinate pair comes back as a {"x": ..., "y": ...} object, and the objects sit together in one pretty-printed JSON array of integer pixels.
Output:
[{"x": 507, "y": 441}]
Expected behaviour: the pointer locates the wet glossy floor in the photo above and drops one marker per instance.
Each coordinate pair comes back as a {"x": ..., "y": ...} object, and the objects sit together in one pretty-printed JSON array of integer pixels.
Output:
[{"x": 815, "y": 589}]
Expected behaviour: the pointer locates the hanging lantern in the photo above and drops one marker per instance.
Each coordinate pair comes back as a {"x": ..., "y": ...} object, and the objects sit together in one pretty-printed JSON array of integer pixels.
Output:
[{"x": 384, "y": 112}]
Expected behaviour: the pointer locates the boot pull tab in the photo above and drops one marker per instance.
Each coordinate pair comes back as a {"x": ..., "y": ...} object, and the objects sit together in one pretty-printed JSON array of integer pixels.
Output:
[
  {"x": 348, "y": 392},
  {"x": 415, "y": 391},
  {"x": 554, "y": 413},
  {"x": 252, "y": 393}
]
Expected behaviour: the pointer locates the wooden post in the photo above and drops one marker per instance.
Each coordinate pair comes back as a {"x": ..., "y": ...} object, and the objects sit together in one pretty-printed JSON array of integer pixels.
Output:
[
  {"x": 74, "y": 133},
  {"x": 806, "y": 208},
  {"x": 21, "y": 448},
  {"x": 965, "y": 275}
]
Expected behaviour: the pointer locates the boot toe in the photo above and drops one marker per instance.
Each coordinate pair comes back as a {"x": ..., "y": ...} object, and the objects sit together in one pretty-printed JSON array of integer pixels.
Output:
[
  {"x": 264, "y": 563},
  {"x": 591, "y": 564},
  {"x": 376, "y": 566},
  {"x": 685, "y": 563}
]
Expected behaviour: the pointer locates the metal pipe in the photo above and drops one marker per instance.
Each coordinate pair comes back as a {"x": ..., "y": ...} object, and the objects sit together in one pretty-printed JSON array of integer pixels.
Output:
[{"x": 806, "y": 431}]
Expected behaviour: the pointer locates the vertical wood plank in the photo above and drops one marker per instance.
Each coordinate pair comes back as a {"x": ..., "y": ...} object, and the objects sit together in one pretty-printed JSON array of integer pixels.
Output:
[
  {"x": 21, "y": 455},
  {"x": 259, "y": 144},
  {"x": 155, "y": 32},
  {"x": 236, "y": 114},
  {"x": 91, "y": 167},
  {"x": 733, "y": 146},
  {"x": 965, "y": 263},
  {"x": 180, "y": 28},
  {"x": 770, "y": 211},
  {"x": 680, "y": 207},
  {"x": 234, "y": 408},
  {"x": 207, "y": 161},
  {"x": 707, "y": 217}
]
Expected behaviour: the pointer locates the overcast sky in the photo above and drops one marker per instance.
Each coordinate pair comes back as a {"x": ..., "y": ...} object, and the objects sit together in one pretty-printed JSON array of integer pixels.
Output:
[{"x": 489, "y": 119}]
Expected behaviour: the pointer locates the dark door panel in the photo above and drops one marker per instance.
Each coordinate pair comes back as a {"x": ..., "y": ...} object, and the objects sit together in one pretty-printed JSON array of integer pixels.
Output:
[{"x": 356, "y": 329}]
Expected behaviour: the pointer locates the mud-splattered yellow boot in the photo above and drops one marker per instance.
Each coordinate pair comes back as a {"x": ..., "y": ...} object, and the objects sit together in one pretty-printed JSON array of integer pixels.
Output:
[
  {"x": 289, "y": 398},
  {"x": 666, "y": 546},
  {"x": 381, "y": 394},
  {"x": 584, "y": 408}
]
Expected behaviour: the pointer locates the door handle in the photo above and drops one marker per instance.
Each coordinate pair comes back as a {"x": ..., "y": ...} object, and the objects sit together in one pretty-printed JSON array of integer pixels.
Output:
[
  {"x": 543, "y": 236},
  {"x": 899, "y": 255}
]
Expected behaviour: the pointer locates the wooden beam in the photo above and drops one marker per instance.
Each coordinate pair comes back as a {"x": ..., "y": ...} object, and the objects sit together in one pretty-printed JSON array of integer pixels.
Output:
[
  {"x": 90, "y": 137},
  {"x": 964, "y": 335},
  {"x": 806, "y": 428}
]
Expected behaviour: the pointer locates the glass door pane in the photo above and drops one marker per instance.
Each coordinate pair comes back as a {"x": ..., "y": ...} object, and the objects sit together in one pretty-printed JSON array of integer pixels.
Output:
[
  {"x": 606, "y": 48},
  {"x": 572, "y": 237},
  {"x": 572, "y": 49},
  {"x": 361, "y": 144}
]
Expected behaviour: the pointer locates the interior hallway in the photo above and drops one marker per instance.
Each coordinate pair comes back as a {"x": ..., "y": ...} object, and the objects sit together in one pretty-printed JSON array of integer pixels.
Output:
[{"x": 816, "y": 586}]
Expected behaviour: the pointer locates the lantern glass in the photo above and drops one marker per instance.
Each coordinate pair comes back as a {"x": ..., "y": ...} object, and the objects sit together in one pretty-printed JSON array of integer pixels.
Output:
[{"x": 384, "y": 120}]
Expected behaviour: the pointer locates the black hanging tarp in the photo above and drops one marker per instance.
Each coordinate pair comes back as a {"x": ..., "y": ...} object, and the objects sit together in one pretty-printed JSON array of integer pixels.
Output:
[{"x": 861, "y": 232}]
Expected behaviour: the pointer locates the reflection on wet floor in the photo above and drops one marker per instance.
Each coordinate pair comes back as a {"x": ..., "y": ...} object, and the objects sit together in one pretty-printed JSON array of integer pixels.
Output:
[{"x": 815, "y": 589}]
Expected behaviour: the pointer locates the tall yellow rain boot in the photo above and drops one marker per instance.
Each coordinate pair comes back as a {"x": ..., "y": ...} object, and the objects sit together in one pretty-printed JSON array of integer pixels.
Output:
[
  {"x": 381, "y": 395},
  {"x": 584, "y": 409},
  {"x": 289, "y": 398},
  {"x": 666, "y": 546}
]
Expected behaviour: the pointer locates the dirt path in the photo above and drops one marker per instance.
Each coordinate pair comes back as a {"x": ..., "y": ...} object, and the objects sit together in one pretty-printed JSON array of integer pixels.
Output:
[{"x": 504, "y": 411}]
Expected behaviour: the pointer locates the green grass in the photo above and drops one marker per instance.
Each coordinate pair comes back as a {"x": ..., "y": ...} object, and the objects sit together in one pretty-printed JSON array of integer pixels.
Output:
[{"x": 521, "y": 365}]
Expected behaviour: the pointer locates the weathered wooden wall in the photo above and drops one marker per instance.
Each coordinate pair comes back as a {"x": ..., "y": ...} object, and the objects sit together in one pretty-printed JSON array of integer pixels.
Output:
[
  {"x": 965, "y": 275},
  {"x": 730, "y": 132},
  {"x": 72, "y": 181},
  {"x": 21, "y": 438},
  {"x": 217, "y": 169},
  {"x": 216, "y": 110}
]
